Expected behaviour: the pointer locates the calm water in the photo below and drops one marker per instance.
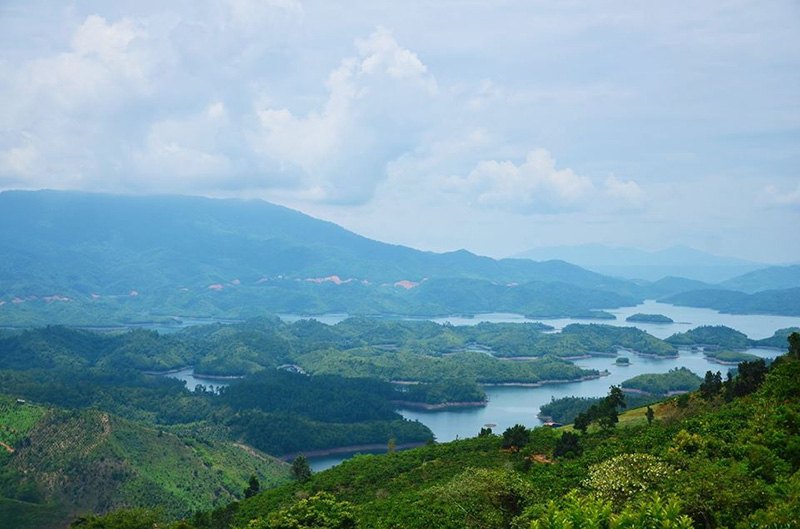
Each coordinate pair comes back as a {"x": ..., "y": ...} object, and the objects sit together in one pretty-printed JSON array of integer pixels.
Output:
[
  {"x": 511, "y": 405},
  {"x": 753, "y": 325},
  {"x": 187, "y": 375}
]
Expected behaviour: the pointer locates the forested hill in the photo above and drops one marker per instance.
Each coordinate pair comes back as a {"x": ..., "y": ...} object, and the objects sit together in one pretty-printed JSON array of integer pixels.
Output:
[
  {"x": 724, "y": 456},
  {"x": 109, "y": 243},
  {"x": 89, "y": 259}
]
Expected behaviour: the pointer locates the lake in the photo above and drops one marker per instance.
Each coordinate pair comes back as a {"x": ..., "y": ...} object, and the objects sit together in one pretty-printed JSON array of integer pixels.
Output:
[{"x": 511, "y": 405}]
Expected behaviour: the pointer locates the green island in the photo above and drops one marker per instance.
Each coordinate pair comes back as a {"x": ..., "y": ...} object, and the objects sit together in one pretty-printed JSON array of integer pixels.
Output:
[
  {"x": 723, "y": 356},
  {"x": 665, "y": 464},
  {"x": 677, "y": 380},
  {"x": 622, "y": 361},
  {"x": 714, "y": 335},
  {"x": 649, "y": 318},
  {"x": 565, "y": 409}
]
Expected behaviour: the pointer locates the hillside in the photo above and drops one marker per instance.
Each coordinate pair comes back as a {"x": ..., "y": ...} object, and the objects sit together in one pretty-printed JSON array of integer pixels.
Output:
[
  {"x": 86, "y": 259},
  {"x": 93, "y": 461},
  {"x": 705, "y": 461},
  {"x": 780, "y": 302},
  {"x": 771, "y": 278},
  {"x": 680, "y": 261}
]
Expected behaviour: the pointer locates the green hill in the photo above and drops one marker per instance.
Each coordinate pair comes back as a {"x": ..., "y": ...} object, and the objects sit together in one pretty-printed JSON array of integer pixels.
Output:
[
  {"x": 782, "y": 302},
  {"x": 770, "y": 278},
  {"x": 92, "y": 259},
  {"x": 78, "y": 461},
  {"x": 730, "y": 461}
]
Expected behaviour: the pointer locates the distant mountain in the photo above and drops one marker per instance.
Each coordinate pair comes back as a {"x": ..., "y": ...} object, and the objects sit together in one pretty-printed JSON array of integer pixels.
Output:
[
  {"x": 630, "y": 263},
  {"x": 673, "y": 285},
  {"x": 76, "y": 257},
  {"x": 784, "y": 302},
  {"x": 772, "y": 278}
]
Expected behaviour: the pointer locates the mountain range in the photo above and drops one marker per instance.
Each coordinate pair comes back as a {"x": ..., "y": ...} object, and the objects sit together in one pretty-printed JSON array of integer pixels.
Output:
[
  {"x": 631, "y": 263},
  {"x": 90, "y": 259}
]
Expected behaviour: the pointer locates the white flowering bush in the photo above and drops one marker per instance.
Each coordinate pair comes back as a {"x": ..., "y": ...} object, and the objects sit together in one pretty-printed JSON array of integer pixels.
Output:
[{"x": 627, "y": 475}]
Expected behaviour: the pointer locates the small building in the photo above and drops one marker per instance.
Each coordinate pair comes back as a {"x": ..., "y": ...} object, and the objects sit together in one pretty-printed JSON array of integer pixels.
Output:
[{"x": 20, "y": 401}]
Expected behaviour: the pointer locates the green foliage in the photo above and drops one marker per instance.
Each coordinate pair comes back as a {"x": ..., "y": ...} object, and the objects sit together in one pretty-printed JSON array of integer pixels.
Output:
[
  {"x": 717, "y": 335},
  {"x": 516, "y": 436},
  {"x": 122, "y": 519},
  {"x": 711, "y": 386},
  {"x": 253, "y": 486},
  {"x": 782, "y": 302},
  {"x": 626, "y": 476},
  {"x": 577, "y": 512},
  {"x": 565, "y": 409},
  {"x": 729, "y": 357},
  {"x": 675, "y": 380},
  {"x": 320, "y": 511},
  {"x": 649, "y": 318},
  {"x": 300, "y": 468},
  {"x": 568, "y": 446}
]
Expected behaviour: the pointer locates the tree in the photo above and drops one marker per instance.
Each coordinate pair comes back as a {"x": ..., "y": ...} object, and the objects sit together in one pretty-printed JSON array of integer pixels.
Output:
[
  {"x": 582, "y": 421},
  {"x": 794, "y": 345},
  {"x": 749, "y": 377},
  {"x": 321, "y": 511},
  {"x": 300, "y": 469},
  {"x": 485, "y": 432},
  {"x": 606, "y": 414},
  {"x": 391, "y": 447},
  {"x": 711, "y": 386},
  {"x": 616, "y": 397},
  {"x": 516, "y": 436},
  {"x": 568, "y": 445},
  {"x": 252, "y": 488},
  {"x": 650, "y": 414}
]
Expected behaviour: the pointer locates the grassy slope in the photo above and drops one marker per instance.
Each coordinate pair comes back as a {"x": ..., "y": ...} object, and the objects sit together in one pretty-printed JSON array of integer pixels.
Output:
[
  {"x": 92, "y": 461},
  {"x": 409, "y": 489}
]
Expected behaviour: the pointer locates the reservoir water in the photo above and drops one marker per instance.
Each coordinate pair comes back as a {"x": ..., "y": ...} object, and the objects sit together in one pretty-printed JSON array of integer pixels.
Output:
[{"x": 511, "y": 405}]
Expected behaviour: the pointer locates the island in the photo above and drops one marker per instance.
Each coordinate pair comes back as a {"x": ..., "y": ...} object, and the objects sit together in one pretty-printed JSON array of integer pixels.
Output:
[
  {"x": 674, "y": 382},
  {"x": 649, "y": 318},
  {"x": 622, "y": 361},
  {"x": 728, "y": 357}
]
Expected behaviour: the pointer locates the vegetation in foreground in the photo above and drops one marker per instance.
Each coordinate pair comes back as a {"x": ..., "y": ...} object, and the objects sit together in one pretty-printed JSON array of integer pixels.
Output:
[{"x": 727, "y": 455}]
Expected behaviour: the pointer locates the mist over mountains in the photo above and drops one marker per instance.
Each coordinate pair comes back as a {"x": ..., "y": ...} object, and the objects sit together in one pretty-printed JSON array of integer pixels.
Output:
[
  {"x": 83, "y": 258},
  {"x": 631, "y": 263}
]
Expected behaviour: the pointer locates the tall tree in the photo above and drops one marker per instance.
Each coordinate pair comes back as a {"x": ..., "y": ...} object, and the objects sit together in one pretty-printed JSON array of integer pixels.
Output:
[
  {"x": 252, "y": 488},
  {"x": 300, "y": 468}
]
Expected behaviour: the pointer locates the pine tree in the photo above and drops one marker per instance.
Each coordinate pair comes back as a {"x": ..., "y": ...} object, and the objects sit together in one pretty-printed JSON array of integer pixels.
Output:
[
  {"x": 252, "y": 488},
  {"x": 300, "y": 469}
]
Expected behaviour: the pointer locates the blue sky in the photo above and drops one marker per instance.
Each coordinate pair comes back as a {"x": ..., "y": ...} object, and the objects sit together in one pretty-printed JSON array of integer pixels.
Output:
[{"x": 492, "y": 126}]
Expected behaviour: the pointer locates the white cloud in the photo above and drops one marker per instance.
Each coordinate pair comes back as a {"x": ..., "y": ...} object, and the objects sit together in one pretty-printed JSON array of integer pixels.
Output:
[
  {"x": 331, "y": 145},
  {"x": 773, "y": 197},
  {"x": 626, "y": 194},
  {"x": 188, "y": 151},
  {"x": 538, "y": 186}
]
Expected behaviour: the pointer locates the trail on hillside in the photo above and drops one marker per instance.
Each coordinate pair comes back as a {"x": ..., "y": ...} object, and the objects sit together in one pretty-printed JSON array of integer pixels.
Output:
[{"x": 6, "y": 447}]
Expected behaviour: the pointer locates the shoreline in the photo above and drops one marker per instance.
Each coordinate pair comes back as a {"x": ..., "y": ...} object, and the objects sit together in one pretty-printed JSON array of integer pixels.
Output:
[
  {"x": 543, "y": 382},
  {"x": 351, "y": 448},
  {"x": 167, "y": 372},
  {"x": 439, "y": 406},
  {"x": 671, "y": 393},
  {"x": 218, "y": 377}
]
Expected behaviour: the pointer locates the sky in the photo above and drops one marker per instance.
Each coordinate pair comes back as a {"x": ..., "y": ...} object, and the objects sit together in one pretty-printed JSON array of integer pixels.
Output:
[{"x": 492, "y": 126}]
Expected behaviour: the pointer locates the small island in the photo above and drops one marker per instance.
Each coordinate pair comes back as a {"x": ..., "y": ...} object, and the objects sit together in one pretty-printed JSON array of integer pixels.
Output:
[
  {"x": 622, "y": 361},
  {"x": 593, "y": 315},
  {"x": 727, "y": 357},
  {"x": 676, "y": 381},
  {"x": 649, "y": 318}
]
